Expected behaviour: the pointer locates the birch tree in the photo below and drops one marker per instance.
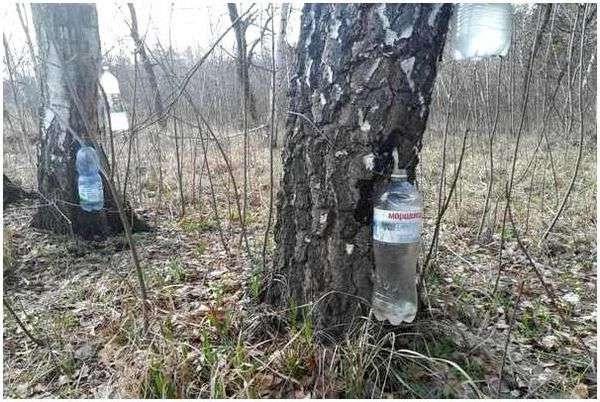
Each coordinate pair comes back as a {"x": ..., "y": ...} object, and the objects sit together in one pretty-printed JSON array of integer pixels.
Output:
[
  {"x": 362, "y": 88},
  {"x": 69, "y": 49}
]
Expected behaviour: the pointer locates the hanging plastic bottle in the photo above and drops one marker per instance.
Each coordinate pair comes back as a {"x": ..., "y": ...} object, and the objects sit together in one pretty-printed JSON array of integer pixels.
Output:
[
  {"x": 89, "y": 182},
  {"x": 482, "y": 30},
  {"x": 397, "y": 226},
  {"x": 118, "y": 116}
]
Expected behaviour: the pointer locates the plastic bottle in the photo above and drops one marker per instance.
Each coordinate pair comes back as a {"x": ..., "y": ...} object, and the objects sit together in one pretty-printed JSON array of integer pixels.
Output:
[
  {"x": 89, "y": 182},
  {"x": 397, "y": 226},
  {"x": 118, "y": 116},
  {"x": 482, "y": 30}
]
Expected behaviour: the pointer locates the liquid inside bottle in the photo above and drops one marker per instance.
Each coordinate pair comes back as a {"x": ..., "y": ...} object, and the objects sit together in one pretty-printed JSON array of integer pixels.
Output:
[
  {"x": 89, "y": 182},
  {"x": 397, "y": 226},
  {"x": 482, "y": 30}
]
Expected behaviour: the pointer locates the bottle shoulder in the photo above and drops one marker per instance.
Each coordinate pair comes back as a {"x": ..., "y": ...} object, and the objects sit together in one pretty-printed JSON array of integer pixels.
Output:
[{"x": 399, "y": 194}]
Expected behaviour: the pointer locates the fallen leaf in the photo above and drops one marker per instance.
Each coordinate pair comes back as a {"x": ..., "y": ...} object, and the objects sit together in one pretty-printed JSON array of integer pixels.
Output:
[
  {"x": 580, "y": 391},
  {"x": 571, "y": 298},
  {"x": 549, "y": 341},
  {"x": 502, "y": 325}
]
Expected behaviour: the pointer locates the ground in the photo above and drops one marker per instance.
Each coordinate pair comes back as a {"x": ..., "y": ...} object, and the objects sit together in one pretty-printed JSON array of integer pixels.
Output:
[{"x": 209, "y": 337}]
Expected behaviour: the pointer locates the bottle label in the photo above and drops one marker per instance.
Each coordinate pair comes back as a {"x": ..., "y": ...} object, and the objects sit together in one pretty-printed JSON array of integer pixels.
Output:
[
  {"x": 91, "y": 194},
  {"x": 397, "y": 226}
]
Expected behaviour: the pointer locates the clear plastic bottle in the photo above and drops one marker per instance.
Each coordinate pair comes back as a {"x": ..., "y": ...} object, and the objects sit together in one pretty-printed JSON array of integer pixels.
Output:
[
  {"x": 397, "y": 226},
  {"x": 482, "y": 30},
  {"x": 89, "y": 182}
]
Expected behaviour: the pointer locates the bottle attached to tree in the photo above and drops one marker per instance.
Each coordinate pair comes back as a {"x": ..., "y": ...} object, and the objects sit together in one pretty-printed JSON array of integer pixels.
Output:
[
  {"x": 397, "y": 227},
  {"x": 482, "y": 30},
  {"x": 89, "y": 182}
]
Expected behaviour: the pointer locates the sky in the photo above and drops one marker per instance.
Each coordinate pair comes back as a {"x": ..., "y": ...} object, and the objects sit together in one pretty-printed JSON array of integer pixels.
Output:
[{"x": 193, "y": 23}]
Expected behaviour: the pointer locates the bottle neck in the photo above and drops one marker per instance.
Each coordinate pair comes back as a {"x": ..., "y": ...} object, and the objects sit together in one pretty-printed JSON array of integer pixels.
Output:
[{"x": 399, "y": 178}]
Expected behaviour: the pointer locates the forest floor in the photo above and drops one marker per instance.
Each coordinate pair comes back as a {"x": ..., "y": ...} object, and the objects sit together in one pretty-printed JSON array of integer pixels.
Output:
[{"x": 208, "y": 336}]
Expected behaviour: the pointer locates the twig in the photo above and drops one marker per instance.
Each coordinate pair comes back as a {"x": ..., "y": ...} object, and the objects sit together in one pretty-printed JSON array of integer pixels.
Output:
[
  {"x": 540, "y": 28},
  {"x": 9, "y": 308},
  {"x": 581, "y": 132},
  {"x": 510, "y": 327},
  {"x": 444, "y": 208},
  {"x": 546, "y": 286}
]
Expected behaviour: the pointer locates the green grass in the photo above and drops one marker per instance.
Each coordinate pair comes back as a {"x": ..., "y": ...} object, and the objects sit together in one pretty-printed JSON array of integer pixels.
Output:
[
  {"x": 157, "y": 385},
  {"x": 190, "y": 225},
  {"x": 175, "y": 271},
  {"x": 200, "y": 248},
  {"x": 534, "y": 321}
]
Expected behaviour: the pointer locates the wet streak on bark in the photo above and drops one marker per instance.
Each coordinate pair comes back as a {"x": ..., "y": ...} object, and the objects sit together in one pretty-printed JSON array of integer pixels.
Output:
[
  {"x": 364, "y": 79},
  {"x": 69, "y": 48}
]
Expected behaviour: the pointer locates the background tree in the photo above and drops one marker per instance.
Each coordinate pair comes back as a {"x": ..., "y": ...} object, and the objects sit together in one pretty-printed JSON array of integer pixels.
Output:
[
  {"x": 141, "y": 50},
  {"x": 243, "y": 59},
  {"x": 363, "y": 85},
  {"x": 69, "y": 49}
]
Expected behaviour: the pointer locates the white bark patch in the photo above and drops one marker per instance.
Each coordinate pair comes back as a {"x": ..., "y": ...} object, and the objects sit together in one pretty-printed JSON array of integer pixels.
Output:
[
  {"x": 328, "y": 73},
  {"x": 369, "y": 161},
  {"x": 349, "y": 248},
  {"x": 372, "y": 70},
  {"x": 318, "y": 101},
  {"x": 337, "y": 94},
  {"x": 57, "y": 94},
  {"x": 323, "y": 218},
  {"x": 355, "y": 48},
  {"x": 365, "y": 126},
  {"x": 407, "y": 67},
  {"x": 309, "y": 63},
  {"x": 423, "y": 106},
  {"x": 390, "y": 35},
  {"x": 61, "y": 140},
  {"x": 433, "y": 14},
  {"x": 407, "y": 32},
  {"x": 48, "y": 117},
  {"x": 335, "y": 29}
]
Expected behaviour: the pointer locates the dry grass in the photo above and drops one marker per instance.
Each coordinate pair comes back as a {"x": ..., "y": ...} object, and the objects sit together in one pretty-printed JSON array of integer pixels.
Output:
[{"x": 208, "y": 338}]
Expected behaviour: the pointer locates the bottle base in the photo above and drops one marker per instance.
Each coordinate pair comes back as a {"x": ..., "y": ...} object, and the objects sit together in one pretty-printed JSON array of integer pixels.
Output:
[{"x": 395, "y": 313}]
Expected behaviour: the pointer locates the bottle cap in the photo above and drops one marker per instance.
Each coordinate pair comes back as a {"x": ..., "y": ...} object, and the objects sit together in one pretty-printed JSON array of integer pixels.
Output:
[{"x": 400, "y": 174}]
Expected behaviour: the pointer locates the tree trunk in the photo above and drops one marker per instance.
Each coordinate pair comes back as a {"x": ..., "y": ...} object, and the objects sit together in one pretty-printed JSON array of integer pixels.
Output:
[
  {"x": 12, "y": 192},
  {"x": 242, "y": 60},
  {"x": 69, "y": 47},
  {"x": 281, "y": 67},
  {"x": 141, "y": 49},
  {"x": 363, "y": 85}
]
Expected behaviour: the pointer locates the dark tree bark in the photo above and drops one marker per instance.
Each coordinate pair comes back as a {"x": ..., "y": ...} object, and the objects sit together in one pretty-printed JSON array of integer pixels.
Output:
[
  {"x": 363, "y": 85},
  {"x": 69, "y": 48},
  {"x": 12, "y": 192}
]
